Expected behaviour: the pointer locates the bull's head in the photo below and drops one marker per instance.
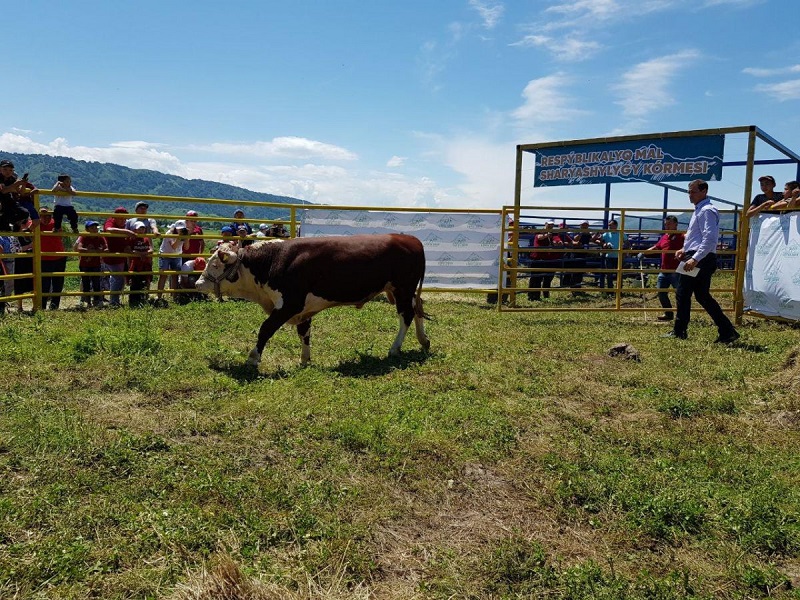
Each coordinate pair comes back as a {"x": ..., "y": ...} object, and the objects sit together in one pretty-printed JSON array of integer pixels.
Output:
[{"x": 222, "y": 266}]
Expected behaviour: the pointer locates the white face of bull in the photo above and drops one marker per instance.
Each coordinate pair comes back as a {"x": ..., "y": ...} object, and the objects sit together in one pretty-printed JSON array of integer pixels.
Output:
[{"x": 221, "y": 264}]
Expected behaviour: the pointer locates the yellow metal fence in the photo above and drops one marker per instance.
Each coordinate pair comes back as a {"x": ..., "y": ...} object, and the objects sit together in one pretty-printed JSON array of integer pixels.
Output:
[
  {"x": 626, "y": 271},
  {"x": 515, "y": 267}
]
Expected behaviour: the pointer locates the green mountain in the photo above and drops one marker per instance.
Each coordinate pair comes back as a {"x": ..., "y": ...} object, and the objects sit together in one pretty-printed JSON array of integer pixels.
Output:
[{"x": 93, "y": 176}]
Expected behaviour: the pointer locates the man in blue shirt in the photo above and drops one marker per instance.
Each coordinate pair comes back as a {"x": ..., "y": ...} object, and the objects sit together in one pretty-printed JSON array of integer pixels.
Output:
[{"x": 699, "y": 258}]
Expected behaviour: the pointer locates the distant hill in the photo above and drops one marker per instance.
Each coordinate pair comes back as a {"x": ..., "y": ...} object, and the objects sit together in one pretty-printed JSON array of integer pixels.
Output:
[{"x": 110, "y": 178}]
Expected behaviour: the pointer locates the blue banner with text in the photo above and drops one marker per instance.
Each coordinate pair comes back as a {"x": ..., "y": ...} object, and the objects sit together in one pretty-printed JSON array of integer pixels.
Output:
[{"x": 663, "y": 160}]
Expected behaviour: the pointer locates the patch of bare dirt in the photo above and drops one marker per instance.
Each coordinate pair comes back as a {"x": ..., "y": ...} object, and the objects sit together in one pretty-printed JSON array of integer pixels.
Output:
[{"x": 482, "y": 505}]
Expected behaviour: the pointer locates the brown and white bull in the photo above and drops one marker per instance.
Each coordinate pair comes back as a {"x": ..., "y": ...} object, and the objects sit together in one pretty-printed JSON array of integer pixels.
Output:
[{"x": 295, "y": 279}]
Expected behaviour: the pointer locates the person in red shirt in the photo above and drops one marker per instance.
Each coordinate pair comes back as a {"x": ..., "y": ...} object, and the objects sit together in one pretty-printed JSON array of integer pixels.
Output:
[
  {"x": 117, "y": 243},
  {"x": 195, "y": 245},
  {"x": 544, "y": 239},
  {"x": 51, "y": 284},
  {"x": 667, "y": 244},
  {"x": 142, "y": 264},
  {"x": 91, "y": 242}
]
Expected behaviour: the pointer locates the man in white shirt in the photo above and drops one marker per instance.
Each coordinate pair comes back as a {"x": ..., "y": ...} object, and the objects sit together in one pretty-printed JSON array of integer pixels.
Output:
[{"x": 698, "y": 253}]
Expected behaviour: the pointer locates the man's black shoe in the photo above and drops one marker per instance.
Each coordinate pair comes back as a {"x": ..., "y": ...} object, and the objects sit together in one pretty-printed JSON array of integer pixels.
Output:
[
  {"x": 675, "y": 334},
  {"x": 728, "y": 338},
  {"x": 664, "y": 318}
]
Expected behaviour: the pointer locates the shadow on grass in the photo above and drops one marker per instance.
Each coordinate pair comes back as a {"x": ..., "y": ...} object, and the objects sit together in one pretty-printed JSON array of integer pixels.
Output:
[
  {"x": 244, "y": 373},
  {"x": 755, "y": 348},
  {"x": 364, "y": 365},
  {"x": 369, "y": 365}
]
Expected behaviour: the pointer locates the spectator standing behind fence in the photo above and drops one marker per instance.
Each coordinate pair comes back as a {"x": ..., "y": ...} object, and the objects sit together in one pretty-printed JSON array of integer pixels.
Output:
[
  {"x": 227, "y": 236},
  {"x": 610, "y": 240},
  {"x": 170, "y": 257},
  {"x": 117, "y": 244},
  {"x": 51, "y": 242},
  {"x": 12, "y": 210},
  {"x": 24, "y": 262},
  {"x": 244, "y": 236},
  {"x": 766, "y": 198},
  {"x": 791, "y": 193},
  {"x": 698, "y": 257},
  {"x": 240, "y": 222},
  {"x": 93, "y": 242},
  {"x": 63, "y": 203},
  {"x": 8, "y": 245},
  {"x": 26, "y": 200},
  {"x": 668, "y": 244},
  {"x": 582, "y": 240},
  {"x": 196, "y": 244},
  {"x": 188, "y": 279},
  {"x": 540, "y": 279},
  {"x": 142, "y": 264},
  {"x": 140, "y": 214}
]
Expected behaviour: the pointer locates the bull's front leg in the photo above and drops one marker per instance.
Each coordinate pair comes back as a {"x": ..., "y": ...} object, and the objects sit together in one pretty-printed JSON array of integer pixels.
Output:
[
  {"x": 304, "y": 331},
  {"x": 267, "y": 330}
]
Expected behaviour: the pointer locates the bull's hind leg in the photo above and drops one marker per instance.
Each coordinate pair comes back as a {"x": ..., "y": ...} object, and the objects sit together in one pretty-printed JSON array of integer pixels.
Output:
[
  {"x": 405, "y": 314},
  {"x": 304, "y": 331},
  {"x": 419, "y": 324}
]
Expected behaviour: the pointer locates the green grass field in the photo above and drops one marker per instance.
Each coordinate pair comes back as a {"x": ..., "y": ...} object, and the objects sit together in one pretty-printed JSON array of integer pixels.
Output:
[{"x": 140, "y": 458}]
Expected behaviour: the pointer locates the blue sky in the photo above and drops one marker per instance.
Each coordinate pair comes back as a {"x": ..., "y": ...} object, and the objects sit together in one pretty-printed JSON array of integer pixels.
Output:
[{"x": 413, "y": 103}]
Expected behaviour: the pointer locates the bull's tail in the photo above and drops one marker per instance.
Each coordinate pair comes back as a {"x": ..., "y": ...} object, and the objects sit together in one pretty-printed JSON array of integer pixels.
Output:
[{"x": 418, "y": 310}]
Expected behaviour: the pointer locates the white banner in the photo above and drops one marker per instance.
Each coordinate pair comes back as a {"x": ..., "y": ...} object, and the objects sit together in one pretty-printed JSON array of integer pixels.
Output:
[
  {"x": 772, "y": 276},
  {"x": 461, "y": 250}
]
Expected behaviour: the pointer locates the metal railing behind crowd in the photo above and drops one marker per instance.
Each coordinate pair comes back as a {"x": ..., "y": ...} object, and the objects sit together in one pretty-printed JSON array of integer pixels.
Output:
[
  {"x": 588, "y": 267},
  {"x": 30, "y": 255}
]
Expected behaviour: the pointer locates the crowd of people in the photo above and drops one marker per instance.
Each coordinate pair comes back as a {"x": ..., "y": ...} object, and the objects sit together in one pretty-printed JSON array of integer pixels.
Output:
[
  {"x": 111, "y": 255},
  {"x": 573, "y": 250}
]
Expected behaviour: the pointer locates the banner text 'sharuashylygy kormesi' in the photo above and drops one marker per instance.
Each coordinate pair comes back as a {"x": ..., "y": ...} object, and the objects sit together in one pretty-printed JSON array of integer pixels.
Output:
[{"x": 668, "y": 159}]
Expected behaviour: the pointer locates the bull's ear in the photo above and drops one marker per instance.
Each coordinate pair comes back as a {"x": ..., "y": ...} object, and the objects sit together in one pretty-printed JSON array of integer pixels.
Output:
[{"x": 227, "y": 256}]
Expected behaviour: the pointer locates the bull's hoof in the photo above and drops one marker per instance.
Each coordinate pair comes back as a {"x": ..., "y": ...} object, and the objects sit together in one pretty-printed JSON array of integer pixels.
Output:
[
  {"x": 254, "y": 358},
  {"x": 426, "y": 345}
]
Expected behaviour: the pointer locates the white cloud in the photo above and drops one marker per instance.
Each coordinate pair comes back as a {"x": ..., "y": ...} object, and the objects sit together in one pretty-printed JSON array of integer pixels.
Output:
[
  {"x": 490, "y": 12},
  {"x": 646, "y": 87},
  {"x": 431, "y": 61},
  {"x": 586, "y": 10},
  {"x": 137, "y": 155},
  {"x": 487, "y": 169},
  {"x": 284, "y": 147},
  {"x": 545, "y": 102},
  {"x": 785, "y": 90},
  {"x": 396, "y": 161},
  {"x": 567, "y": 49},
  {"x": 772, "y": 72}
]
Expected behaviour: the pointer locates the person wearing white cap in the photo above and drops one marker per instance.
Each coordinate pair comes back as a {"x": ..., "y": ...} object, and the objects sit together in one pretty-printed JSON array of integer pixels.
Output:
[
  {"x": 170, "y": 256},
  {"x": 263, "y": 230},
  {"x": 766, "y": 198},
  {"x": 141, "y": 262}
]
